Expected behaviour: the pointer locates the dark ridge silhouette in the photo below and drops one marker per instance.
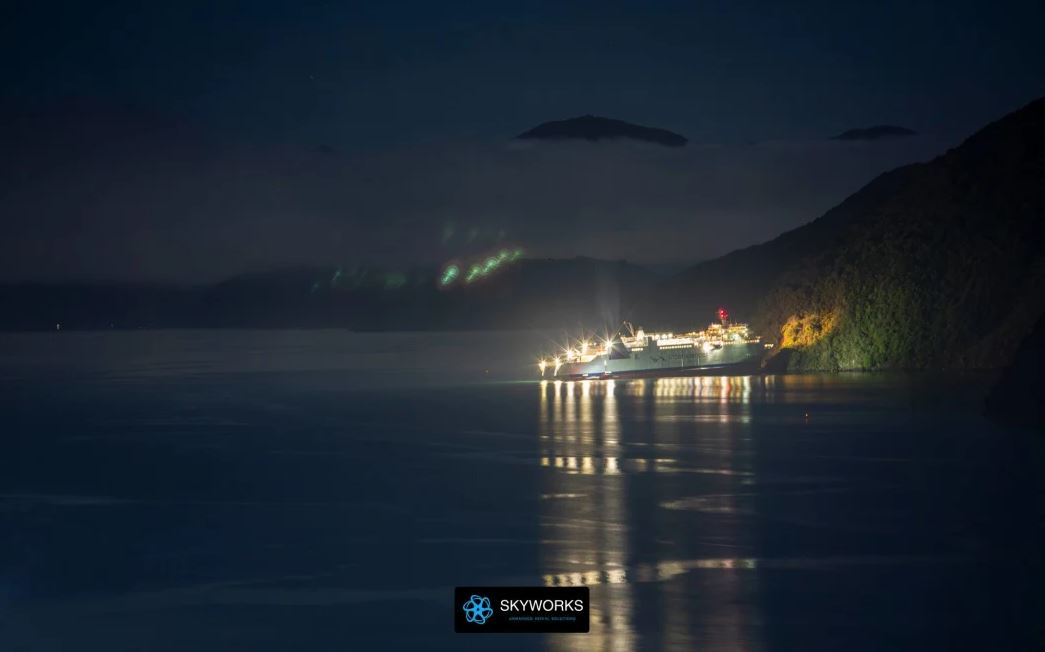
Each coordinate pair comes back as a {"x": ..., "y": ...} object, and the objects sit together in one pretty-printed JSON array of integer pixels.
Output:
[
  {"x": 594, "y": 128},
  {"x": 878, "y": 132},
  {"x": 932, "y": 265}
]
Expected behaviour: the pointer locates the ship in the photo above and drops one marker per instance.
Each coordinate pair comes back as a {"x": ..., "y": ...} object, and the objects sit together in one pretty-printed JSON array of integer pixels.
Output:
[{"x": 634, "y": 352}]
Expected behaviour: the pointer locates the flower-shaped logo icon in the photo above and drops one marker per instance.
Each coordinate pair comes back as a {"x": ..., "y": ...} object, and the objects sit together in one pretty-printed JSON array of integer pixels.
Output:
[{"x": 477, "y": 609}]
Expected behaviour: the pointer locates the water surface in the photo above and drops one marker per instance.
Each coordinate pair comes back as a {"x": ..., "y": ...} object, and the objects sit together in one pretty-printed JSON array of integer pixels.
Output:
[{"x": 326, "y": 490}]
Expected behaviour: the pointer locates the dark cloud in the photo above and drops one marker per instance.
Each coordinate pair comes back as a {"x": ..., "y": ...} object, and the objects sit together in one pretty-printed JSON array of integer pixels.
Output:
[
  {"x": 877, "y": 132},
  {"x": 595, "y": 128}
]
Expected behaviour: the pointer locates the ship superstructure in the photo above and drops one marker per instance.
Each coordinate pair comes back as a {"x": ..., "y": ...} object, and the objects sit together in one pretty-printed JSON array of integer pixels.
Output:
[{"x": 634, "y": 351}]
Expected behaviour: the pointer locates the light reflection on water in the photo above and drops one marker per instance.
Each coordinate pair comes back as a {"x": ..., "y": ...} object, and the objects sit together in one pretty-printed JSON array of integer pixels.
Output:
[
  {"x": 242, "y": 490},
  {"x": 657, "y": 572},
  {"x": 588, "y": 448}
]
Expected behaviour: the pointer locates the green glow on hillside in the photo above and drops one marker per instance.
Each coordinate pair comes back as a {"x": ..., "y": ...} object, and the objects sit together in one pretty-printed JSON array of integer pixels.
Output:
[
  {"x": 479, "y": 269},
  {"x": 450, "y": 274}
]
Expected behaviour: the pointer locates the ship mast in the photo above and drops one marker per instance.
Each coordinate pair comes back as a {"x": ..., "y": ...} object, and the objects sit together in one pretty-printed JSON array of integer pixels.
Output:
[{"x": 723, "y": 316}]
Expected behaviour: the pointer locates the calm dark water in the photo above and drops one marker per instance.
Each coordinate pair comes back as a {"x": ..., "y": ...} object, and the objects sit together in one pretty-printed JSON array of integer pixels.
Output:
[{"x": 325, "y": 491}]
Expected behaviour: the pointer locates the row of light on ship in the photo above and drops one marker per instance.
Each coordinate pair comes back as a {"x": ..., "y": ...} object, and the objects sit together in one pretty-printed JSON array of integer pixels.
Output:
[
  {"x": 572, "y": 354},
  {"x": 556, "y": 362},
  {"x": 544, "y": 364}
]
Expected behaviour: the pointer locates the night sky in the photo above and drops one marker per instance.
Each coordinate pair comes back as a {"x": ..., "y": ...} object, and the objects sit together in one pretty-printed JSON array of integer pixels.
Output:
[{"x": 189, "y": 141}]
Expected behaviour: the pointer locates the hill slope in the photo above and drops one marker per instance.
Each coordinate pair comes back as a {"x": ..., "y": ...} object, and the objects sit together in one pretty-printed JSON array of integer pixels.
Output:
[{"x": 939, "y": 264}]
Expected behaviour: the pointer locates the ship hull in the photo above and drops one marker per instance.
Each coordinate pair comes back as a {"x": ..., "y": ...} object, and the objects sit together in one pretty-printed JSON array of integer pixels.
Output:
[{"x": 687, "y": 361}]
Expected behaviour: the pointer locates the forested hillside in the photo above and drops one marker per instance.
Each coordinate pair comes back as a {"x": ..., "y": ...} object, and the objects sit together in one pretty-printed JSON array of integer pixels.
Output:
[{"x": 940, "y": 264}]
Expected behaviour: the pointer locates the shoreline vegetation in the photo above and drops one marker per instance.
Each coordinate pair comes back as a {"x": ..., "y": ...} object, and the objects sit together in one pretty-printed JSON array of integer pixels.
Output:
[{"x": 938, "y": 265}]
